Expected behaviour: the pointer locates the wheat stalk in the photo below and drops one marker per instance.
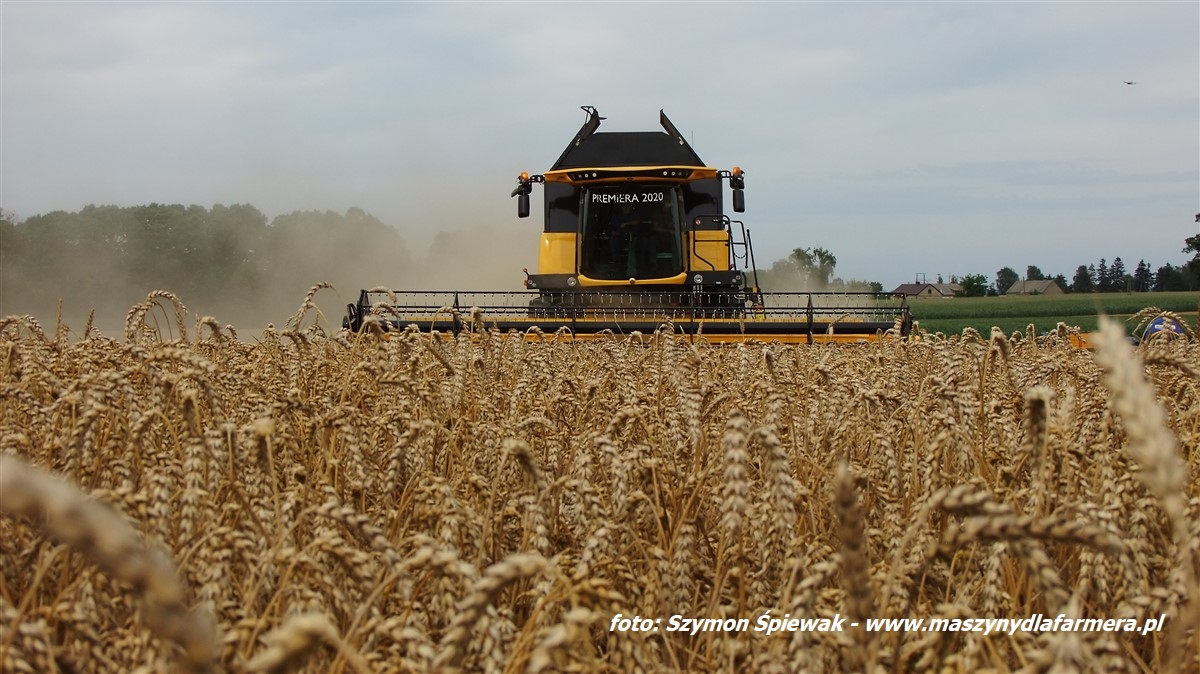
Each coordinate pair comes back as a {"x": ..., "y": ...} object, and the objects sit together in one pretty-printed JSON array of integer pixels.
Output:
[{"x": 104, "y": 538}]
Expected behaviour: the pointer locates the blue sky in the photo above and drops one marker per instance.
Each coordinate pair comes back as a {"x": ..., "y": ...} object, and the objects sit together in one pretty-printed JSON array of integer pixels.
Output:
[{"x": 936, "y": 138}]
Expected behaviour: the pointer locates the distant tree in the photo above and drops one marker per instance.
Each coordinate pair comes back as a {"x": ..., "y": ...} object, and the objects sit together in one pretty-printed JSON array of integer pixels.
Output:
[
  {"x": 163, "y": 239},
  {"x": 826, "y": 261},
  {"x": 973, "y": 285},
  {"x": 1142, "y": 278},
  {"x": 10, "y": 255},
  {"x": 1167, "y": 278},
  {"x": 1032, "y": 273},
  {"x": 854, "y": 285},
  {"x": 1117, "y": 277},
  {"x": 235, "y": 244},
  {"x": 1191, "y": 277},
  {"x": 815, "y": 263},
  {"x": 8, "y": 233},
  {"x": 1171, "y": 278},
  {"x": 1082, "y": 282},
  {"x": 1103, "y": 280},
  {"x": 1193, "y": 246},
  {"x": 1005, "y": 278},
  {"x": 1062, "y": 283},
  {"x": 60, "y": 250},
  {"x": 802, "y": 259}
]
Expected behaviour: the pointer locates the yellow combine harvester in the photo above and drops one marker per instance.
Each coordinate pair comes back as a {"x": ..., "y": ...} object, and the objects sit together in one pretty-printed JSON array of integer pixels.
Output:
[{"x": 636, "y": 237}]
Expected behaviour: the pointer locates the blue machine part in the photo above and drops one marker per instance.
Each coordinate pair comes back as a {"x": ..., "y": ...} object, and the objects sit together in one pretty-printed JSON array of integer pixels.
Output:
[{"x": 1162, "y": 324}]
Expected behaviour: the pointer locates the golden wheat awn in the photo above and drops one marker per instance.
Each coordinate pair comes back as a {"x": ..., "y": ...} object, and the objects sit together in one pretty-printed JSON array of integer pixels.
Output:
[{"x": 317, "y": 501}]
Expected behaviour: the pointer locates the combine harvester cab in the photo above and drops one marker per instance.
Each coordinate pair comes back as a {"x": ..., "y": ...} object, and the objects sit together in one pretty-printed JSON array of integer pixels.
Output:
[{"x": 636, "y": 237}]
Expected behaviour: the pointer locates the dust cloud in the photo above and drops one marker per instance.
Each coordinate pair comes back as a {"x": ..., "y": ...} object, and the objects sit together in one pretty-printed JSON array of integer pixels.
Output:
[
  {"x": 254, "y": 278},
  {"x": 473, "y": 258}
]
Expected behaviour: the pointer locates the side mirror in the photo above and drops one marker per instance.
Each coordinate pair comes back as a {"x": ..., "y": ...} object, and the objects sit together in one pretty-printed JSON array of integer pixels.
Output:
[
  {"x": 524, "y": 187},
  {"x": 739, "y": 200}
]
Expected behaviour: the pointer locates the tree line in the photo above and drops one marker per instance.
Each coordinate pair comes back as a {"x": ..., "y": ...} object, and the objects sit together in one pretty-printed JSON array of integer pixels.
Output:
[
  {"x": 108, "y": 257},
  {"x": 813, "y": 269},
  {"x": 1105, "y": 277},
  {"x": 1099, "y": 277}
]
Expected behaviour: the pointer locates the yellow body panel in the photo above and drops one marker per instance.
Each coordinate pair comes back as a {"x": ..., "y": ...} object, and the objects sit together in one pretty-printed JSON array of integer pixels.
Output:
[
  {"x": 711, "y": 250},
  {"x": 557, "y": 253},
  {"x": 1082, "y": 340},
  {"x": 678, "y": 280}
]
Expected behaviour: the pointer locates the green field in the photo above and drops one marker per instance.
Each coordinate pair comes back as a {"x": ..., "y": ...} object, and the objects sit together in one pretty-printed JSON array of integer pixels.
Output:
[{"x": 1014, "y": 313}]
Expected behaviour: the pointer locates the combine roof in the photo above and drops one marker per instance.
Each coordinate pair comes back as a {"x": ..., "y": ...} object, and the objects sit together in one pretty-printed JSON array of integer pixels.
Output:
[{"x": 630, "y": 148}]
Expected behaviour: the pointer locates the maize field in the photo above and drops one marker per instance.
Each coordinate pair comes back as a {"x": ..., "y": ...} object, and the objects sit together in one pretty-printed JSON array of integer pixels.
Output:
[{"x": 188, "y": 499}]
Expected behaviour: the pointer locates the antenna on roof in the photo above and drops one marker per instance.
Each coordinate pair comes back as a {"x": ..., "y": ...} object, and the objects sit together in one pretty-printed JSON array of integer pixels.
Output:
[
  {"x": 590, "y": 125},
  {"x": 670, "y": 129}
]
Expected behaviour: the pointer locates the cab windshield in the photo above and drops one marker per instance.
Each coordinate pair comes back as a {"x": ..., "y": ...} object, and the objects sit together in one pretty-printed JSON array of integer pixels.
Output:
[{"x": 630, "y": 232}]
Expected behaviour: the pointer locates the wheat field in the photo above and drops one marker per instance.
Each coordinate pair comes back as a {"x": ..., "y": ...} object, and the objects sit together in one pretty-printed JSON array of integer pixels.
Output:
[{"x": 190, "y": 499}]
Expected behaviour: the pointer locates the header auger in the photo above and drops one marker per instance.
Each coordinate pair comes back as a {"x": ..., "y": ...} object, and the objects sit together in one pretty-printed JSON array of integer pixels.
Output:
[{"x": 634, "y": 237}]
